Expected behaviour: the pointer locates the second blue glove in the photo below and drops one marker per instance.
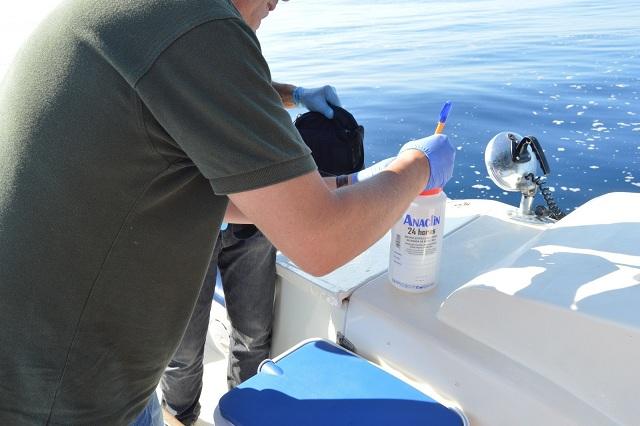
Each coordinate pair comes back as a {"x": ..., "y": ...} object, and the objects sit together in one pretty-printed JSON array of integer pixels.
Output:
[{"x": 317, "y": 99}]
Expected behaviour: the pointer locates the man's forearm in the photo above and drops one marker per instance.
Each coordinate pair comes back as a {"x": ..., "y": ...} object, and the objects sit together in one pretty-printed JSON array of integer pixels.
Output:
[
  {"x": 367, "y": 210},
  {"x": 321, "y": 229}
]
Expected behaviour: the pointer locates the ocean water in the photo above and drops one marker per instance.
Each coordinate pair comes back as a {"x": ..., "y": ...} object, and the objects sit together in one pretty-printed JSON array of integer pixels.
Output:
[{"x": 565, "y": 71}]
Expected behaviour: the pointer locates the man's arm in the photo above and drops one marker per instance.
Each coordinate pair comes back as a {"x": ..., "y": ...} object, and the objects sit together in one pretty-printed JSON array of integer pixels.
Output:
[{"x": 320, "y": 229}]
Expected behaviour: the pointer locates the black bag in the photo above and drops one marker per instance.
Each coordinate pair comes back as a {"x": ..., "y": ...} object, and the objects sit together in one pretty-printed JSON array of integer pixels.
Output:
[{"x": 336, "y": 144}]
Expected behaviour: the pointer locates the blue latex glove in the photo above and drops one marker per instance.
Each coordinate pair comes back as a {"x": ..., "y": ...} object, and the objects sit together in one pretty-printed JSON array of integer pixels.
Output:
[
  {"x": 317, "y": 99},
  {"x": 440, "y": 154},
  {"x": 371, "y": 170}
]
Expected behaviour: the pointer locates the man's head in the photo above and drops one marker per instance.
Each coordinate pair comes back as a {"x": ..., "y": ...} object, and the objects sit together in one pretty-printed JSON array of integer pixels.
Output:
[{"x": 254, "y": 11}]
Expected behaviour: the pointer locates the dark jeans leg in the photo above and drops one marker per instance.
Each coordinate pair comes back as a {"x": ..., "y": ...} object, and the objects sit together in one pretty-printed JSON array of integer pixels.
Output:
[
  {"x": 181, "y": 382},
  {"x": 247, "y": 266}
]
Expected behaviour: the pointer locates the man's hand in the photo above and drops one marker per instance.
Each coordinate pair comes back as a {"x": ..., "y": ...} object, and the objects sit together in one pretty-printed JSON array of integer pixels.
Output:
[
  {"x": 441, "y": 156},
  {"x": 317, "y": 99}
]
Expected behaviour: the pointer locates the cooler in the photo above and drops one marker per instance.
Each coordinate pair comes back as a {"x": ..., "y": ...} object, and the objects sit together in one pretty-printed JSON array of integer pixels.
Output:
[{"x": 320, "y": 383}]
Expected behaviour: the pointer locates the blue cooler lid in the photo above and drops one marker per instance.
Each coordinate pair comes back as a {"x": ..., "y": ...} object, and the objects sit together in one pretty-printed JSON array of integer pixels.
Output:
[{"x": 320, "y": 383}]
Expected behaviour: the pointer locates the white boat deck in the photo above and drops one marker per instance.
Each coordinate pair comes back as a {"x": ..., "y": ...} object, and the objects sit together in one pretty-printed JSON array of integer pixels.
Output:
[{"x": 532, "y": 323}]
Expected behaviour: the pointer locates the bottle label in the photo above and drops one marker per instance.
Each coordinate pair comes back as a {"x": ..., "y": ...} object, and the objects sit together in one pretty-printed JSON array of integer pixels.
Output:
[{"x": 416, "y": 245}]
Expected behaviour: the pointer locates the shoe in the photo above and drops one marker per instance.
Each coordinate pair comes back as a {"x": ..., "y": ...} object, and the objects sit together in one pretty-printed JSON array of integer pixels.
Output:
[{"x": 169, "y": 419}]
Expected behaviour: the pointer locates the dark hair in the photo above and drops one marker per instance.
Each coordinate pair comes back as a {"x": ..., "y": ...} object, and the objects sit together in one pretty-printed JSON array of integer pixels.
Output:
[{"x": 337, "y": 144}]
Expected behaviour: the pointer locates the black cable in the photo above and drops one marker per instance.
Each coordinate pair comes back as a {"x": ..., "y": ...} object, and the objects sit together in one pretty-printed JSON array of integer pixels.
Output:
[{"x": 553, "y": 210}]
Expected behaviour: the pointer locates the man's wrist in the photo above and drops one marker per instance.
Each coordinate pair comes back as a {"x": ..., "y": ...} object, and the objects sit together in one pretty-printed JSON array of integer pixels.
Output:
[
  {"x": 342, "y": 180},
  {"x": 296, "y": 95},
  {"x": 285, "y": 91}
]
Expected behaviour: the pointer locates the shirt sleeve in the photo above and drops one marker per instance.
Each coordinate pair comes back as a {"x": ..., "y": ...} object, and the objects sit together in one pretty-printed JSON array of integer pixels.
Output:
[{"x": 211, "y": 91}]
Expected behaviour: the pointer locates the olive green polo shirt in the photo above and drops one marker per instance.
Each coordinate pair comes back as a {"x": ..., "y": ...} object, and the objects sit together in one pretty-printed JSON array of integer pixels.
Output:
[{"x": 123, "y": 124}]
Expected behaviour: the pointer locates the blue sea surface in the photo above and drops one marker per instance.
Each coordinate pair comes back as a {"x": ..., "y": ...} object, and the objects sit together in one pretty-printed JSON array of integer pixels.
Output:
[{"x": 565, "y": 71}]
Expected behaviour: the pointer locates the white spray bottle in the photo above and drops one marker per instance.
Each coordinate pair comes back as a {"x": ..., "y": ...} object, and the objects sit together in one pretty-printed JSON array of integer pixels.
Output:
[
  {"x": 416, "y": 243},
  {"x": 416, "y": 239}
]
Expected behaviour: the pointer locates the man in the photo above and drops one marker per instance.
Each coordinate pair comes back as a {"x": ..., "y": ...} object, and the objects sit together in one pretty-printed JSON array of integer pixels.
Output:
[
  {"x": 128, "y": 130},
  {"x": 246, "y": 260}
]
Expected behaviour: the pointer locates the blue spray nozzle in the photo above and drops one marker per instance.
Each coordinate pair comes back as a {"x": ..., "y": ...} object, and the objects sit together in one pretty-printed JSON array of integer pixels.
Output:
[{"x": 445, "y": 112}]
